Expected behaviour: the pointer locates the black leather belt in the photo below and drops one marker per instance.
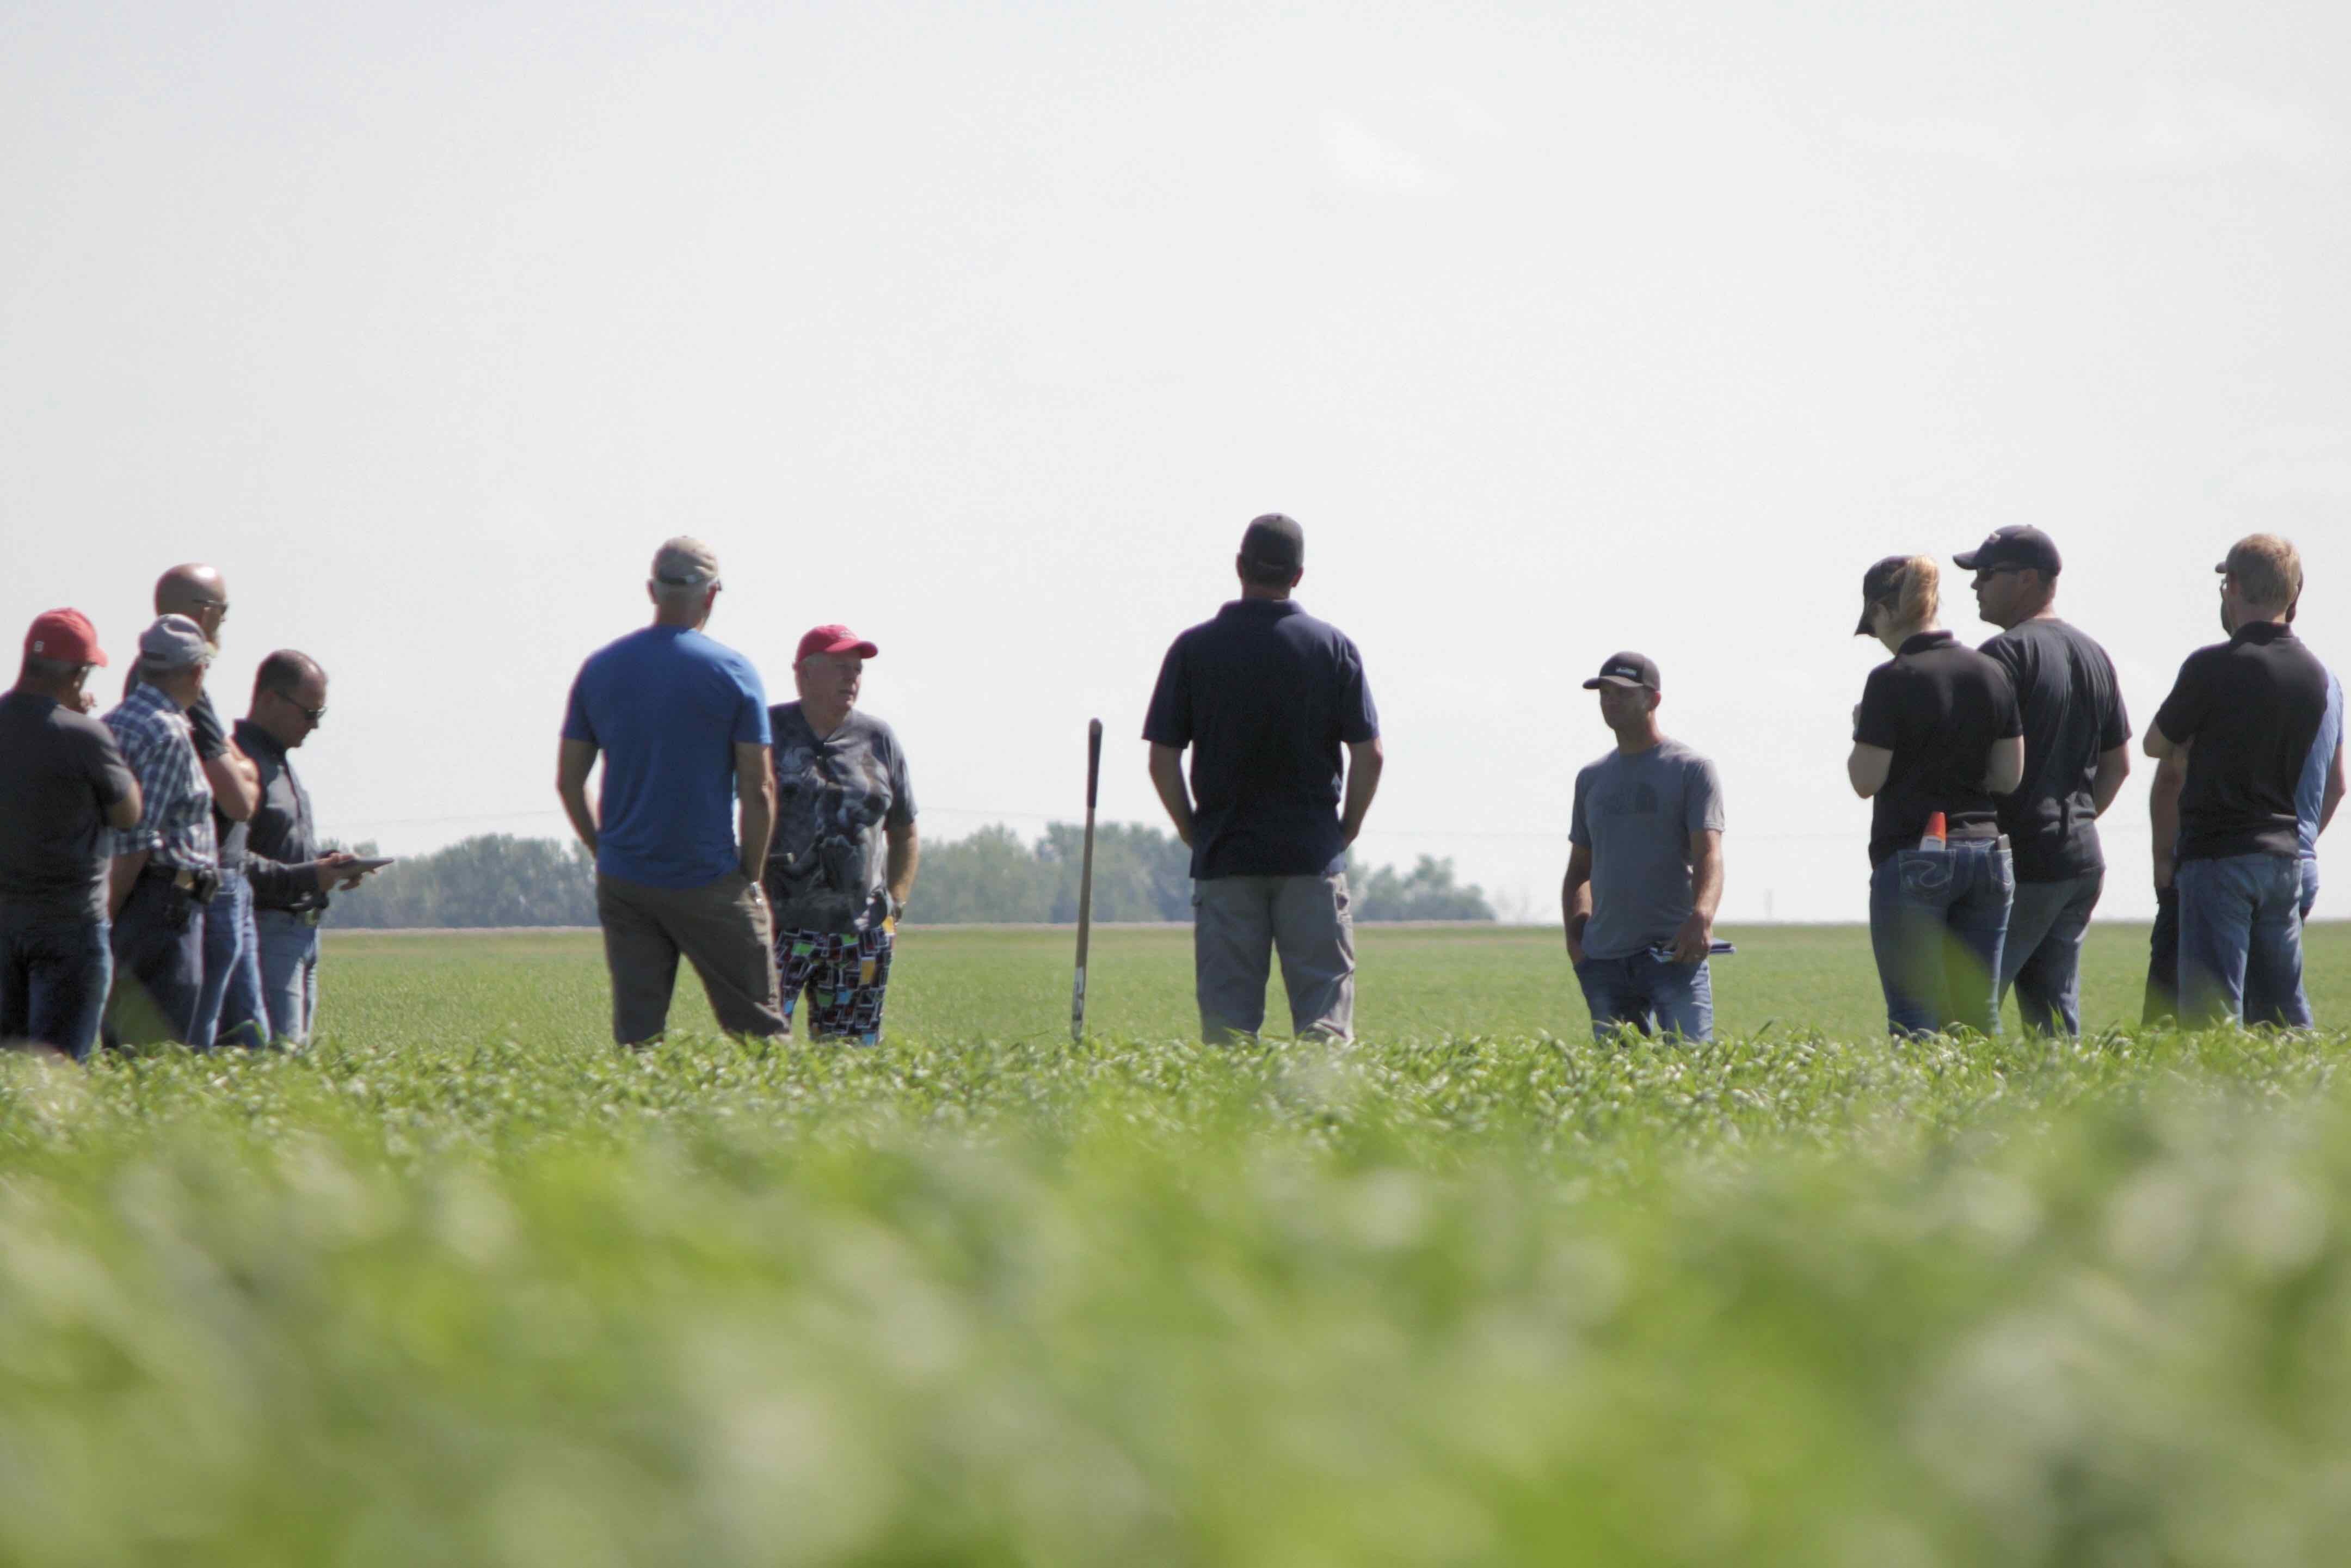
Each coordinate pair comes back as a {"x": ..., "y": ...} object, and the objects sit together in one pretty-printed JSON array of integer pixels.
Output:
[{"x": 198, "y": 884}]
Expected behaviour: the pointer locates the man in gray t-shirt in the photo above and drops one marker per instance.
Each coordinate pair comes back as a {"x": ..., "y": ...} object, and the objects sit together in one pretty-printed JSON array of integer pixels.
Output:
[
  {"x": 842, "y": 864},
  {"x": 1645, "y": 873}
]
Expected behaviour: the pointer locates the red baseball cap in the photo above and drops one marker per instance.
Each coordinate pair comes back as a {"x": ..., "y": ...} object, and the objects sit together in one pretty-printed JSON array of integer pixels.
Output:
[
  {"x": 835, "y": 640},
  {"x": 67, "y": 636}
]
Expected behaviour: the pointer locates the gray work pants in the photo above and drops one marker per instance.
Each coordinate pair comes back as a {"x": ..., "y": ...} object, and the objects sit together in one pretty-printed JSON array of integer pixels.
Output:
[
  {"x": 1240, "y": 921},
  {"x": 721, "y": 928}
]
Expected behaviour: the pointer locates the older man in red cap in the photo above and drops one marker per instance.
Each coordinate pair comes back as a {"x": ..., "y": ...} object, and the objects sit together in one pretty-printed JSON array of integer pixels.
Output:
[
  {"x": 842, "y": 864},
  {"x": 63, "y": 785}
]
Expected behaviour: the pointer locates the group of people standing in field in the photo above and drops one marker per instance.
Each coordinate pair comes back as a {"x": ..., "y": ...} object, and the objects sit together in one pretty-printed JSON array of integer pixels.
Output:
[
  {"x": 160, "y": 876},
  {"x": 1987, "y": 771},
  {"x": 771, "y": 848}
]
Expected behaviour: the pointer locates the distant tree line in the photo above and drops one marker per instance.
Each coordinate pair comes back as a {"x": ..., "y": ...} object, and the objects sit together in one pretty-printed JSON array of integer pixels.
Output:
[
  {"x": 496, "y": 879},
  {"x": 1140, "y": 873}
]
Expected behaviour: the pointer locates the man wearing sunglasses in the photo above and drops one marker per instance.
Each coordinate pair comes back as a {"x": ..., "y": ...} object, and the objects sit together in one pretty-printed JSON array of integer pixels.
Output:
[
  {"x": 232, "y": 984},
  {"x": 2076, "y": 755},
  {"x": 291, "y": 880}
]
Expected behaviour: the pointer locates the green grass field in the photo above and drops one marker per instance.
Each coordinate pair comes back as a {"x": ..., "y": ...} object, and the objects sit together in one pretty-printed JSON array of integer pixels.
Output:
[{"x": 465, "y": 1284}]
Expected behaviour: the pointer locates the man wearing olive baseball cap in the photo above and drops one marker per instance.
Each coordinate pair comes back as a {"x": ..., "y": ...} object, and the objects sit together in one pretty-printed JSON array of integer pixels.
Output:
[
  {"x": 63, "y": 785},
  {"x": 2076, "y": 755},
  {"x": 688, "y": 802},
  {"x": 1644, "y": 872}
]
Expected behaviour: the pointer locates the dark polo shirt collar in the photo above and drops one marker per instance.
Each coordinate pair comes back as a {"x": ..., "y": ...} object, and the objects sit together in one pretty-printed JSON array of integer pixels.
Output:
[{"x": 1926, "y": 640}]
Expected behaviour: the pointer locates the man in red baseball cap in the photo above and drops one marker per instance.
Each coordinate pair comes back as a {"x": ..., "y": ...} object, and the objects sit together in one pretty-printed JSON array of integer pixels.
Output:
[
  {"x": 63, "y": 784},
  {"x": 842, "y": 864}
]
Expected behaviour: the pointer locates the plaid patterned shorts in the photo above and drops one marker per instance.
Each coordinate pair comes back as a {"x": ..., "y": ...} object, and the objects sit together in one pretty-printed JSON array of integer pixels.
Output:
[{"x": 845, "y": 975}]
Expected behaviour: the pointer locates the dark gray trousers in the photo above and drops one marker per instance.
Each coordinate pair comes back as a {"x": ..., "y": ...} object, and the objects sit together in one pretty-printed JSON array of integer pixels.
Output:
[
  {"x": 722, "y": 929},
  {"x": 1239, "y": 923}
]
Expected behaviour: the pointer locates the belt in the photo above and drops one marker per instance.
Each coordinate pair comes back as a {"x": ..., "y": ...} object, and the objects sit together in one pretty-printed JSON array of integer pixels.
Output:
[
  {"x": 300, "y": 916},
  {"x": 199, "y": 884}
]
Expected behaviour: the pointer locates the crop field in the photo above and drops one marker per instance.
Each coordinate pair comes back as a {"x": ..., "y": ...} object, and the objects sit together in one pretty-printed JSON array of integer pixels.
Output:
[{"x": 466, "y": 1284}]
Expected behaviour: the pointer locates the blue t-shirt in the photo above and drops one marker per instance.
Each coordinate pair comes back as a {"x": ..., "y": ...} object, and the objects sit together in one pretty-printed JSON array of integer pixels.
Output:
[
  {"x": 1264, "y": 695},
  {"x": 2310, "y": 795},
  {"x": 667, "y": 707}
]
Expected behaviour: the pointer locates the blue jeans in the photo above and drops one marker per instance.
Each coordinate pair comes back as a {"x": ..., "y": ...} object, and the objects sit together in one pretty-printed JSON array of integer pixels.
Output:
[
  {"x": 2162, "y": 1007},
  {"x": 289, "y": 973},
  {"x": 1648, "y": 993},
  {"x": 1937, "y": 921},
  {"x": 229, "y": 1009},
  {"x": 54, "y": 975},
  {"x": 2042, "y": 956},
  {"x": 158, "y": 937},
  {"x": 2241, "y": 940}
]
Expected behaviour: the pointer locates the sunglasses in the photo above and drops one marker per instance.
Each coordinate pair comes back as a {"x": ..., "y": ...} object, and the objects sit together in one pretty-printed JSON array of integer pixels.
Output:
[{"x": 315, "y": 715}]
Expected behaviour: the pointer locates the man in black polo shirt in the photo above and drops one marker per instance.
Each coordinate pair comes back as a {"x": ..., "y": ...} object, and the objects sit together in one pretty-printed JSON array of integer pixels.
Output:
[
  {"x": 2076, "y": 755},
  {"x": 63, "y": 784},
  {"x": 2232, "y": 737},
  {"x": 1266, "y": 696}
]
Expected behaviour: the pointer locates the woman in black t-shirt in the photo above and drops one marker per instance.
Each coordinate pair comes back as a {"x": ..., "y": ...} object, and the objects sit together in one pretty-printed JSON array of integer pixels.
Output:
[{"x": 1936, "y": 737}]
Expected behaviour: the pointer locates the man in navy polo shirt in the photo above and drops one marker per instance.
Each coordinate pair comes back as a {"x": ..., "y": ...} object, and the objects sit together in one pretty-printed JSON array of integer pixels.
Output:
[
  {"x": 688, "y": 803},
  {"x": 1266, "y": 696},
  {"x": 2232, "y": 739}
]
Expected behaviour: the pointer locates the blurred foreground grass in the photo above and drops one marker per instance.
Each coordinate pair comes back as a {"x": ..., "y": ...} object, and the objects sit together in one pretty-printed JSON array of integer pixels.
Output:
[{"x": 465, "y": 1284}]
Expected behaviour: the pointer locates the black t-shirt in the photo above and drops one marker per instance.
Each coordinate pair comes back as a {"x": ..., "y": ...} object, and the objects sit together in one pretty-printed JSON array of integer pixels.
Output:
[
  {"x": 1264, "y": 695},
  {"x": 1938, "y": 708},
  {"x": 59, "y": 772},
  {"x": 2251, "y": 707},
  {"x": 2073, "y": 710}
]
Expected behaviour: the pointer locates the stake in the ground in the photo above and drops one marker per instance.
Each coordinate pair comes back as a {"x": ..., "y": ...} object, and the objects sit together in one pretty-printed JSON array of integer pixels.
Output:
[{"x": 1086, "y": 881}]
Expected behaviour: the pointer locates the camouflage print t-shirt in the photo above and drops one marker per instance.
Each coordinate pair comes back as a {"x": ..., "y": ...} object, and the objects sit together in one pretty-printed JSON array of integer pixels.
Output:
[{"x": 827, "y": 864}]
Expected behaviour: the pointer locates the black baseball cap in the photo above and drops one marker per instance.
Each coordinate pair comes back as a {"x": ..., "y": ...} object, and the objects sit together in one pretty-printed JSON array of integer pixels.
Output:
[
  {"x": 2019, "y": 546},
  {"x": 1275, "y": 540},
  {"x": 1625, "y": 670},
  {"x": 1877, "y": 585}
]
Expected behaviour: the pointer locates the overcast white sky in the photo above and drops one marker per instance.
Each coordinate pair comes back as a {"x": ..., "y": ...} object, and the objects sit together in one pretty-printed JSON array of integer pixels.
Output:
[{"x": 984, "y": 328}]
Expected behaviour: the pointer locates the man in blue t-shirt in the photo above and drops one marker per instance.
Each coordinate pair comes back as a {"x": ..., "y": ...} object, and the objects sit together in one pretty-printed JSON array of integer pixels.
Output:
[
  {"x": 1266, "y": 696},
  {"x": 681, "y": 724}
]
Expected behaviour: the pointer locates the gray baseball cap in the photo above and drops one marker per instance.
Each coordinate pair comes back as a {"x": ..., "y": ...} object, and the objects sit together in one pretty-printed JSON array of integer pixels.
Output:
[
  {"x": 684, "y": 563},
  {"x": 174, "y": 642},
  {"x": 1275, "y": 540}
]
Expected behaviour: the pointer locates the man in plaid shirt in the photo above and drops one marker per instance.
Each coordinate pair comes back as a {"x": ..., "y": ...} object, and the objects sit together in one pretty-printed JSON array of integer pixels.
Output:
[{"x": 166, "y": 868}]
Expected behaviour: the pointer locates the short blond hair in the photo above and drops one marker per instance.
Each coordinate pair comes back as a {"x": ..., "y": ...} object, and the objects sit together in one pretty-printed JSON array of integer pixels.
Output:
[{"x": 2268, "y": 571}]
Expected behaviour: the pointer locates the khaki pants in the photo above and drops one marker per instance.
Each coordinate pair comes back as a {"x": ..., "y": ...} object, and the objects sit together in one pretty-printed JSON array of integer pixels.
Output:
[
  {"x": 1238, "y": 924},
  {"x": 721, "y": 928}
]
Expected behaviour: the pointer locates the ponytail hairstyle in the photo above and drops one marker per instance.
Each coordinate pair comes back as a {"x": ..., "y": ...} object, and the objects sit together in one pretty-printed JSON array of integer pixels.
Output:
[{"x": 1907, "y": 587}]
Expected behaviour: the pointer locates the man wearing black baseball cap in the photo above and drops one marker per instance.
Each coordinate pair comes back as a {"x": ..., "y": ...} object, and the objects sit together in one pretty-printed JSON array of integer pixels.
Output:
[
  {"x": 2076, "y": 755},
  {"x": 1644, "y": 872},
  {"x": 1266, "y": 696}
]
